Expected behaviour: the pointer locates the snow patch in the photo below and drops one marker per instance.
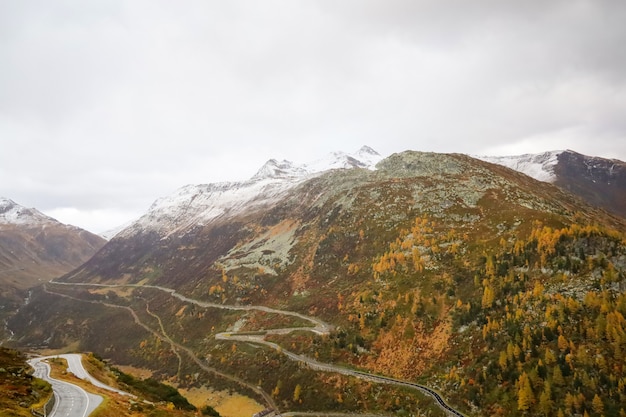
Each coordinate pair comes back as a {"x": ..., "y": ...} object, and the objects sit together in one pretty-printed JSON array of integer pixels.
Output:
[
  {"x": 538, "y": 166},
  {"x": 111, "y": 233}
]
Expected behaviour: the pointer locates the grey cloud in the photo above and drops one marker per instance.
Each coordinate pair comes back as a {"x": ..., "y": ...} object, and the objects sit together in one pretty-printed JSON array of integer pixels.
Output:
[{"x": 116, "y": 103}]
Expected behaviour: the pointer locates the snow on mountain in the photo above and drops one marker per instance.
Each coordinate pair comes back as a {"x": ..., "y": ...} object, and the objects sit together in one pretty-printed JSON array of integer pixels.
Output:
[
  {"x": 283, "y": 169},
  {"x": 365, "y": 157},
  {"x": 538, "y": 166},
  {"x": 196, "y": 205},
  {"x": 13, "y": 213}
]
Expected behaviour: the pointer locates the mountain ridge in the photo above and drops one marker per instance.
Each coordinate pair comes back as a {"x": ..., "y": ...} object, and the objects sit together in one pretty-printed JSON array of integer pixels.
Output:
[
  {"x": 198, "y": 204},
  {"x": 275, "y": 177}
]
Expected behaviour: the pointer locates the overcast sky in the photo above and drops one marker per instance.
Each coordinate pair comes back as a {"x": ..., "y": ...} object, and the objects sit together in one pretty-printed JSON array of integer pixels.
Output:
[{"x": 107, "y": 105}]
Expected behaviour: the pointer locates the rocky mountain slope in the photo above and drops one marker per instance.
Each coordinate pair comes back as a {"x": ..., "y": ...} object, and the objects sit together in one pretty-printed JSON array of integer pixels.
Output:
[
  {"x": 503, "y": 292},
  {"x": 599, "y": 181}
]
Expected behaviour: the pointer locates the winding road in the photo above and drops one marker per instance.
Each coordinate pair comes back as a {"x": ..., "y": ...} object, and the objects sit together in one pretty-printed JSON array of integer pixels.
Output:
[
  {"x": 70, "y": 400},
  {"x": 319, "y": 327}
]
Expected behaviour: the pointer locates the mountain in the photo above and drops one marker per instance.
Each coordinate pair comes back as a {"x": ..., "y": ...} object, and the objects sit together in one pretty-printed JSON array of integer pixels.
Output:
[
  {"x": 599, "y": 181},
  {"x": 503, "y": 293},
  {"x": 194, "y": 206},
  {"x": 36, "y": 248}
]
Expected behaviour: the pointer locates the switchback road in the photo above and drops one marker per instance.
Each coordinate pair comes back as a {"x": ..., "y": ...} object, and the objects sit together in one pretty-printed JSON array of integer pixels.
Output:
[
  {"x": 319, "y": 327},
  {"x": 71, "y": 400}
]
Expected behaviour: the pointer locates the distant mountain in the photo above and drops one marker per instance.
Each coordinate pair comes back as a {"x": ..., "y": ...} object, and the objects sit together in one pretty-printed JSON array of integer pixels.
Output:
[
  {"x": 35, "y": 247},
  {"x": 599, "y": 181}
]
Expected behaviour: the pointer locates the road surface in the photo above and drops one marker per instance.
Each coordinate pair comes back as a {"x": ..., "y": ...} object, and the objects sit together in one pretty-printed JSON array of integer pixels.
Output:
[
  {"x": 75, "y": 366},
  {"x": 71, "y": 400}
]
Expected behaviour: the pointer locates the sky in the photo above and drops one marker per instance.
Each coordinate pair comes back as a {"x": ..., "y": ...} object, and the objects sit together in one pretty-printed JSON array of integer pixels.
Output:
[{"x": 106, "y": 106}]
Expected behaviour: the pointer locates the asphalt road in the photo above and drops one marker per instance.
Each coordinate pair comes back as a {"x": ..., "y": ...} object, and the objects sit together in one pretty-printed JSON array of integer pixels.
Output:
[
  {"x": 75, "y": 366},
  {"x": 71, "y": 400}
]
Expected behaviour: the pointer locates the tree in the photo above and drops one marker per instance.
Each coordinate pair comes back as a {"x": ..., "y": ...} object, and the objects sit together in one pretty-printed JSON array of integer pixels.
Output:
[
  {"x": 207, "y": 410},
  {"x": 488, "y": 297},
  {"x": 277, "y": 388},
  {"x": 525, "y": 396},
  {"x": 545, "y": 400},
  {"x": 557, "y": 376},
  {"x": 296, "y": 393},
  {"x": 597, "y": 405},
  {"x": 502, "y": 361}
]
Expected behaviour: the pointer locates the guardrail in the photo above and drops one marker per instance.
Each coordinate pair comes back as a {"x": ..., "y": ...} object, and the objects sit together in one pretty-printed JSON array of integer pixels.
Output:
[{"x": 46, "y": 409}]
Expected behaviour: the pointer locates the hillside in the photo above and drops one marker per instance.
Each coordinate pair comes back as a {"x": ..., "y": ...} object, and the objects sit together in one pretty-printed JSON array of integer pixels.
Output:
[
  {"x": 505, "y": 293},
  {"x": 20, "y": 391}
]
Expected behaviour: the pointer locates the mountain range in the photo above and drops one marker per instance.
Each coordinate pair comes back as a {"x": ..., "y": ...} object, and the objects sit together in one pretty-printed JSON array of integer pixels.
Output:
[
  {"x": 599, "y": 181},
  {"x": 503, "y": 292}
]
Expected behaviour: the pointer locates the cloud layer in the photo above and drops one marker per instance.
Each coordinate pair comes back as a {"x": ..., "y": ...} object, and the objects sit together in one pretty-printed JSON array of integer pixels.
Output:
[{"x": 105, "y": 106}]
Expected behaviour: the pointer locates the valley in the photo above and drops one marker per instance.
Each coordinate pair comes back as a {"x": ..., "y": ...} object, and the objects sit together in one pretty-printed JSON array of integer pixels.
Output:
[{"x": 430, "y": 284}]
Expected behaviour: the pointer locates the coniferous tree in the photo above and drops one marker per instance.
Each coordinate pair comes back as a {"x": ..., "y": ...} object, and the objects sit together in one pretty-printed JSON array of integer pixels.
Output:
[{"x": 525, "y": 396}]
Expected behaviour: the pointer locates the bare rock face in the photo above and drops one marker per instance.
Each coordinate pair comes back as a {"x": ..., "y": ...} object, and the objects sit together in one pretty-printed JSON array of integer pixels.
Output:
[{"x": 599, "y": 181}]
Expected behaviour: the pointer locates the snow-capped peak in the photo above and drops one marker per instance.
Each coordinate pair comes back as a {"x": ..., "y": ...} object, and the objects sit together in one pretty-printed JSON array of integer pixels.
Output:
[
  {"x": 198, "y": 204},
  {"x": 368, "y": 155},
  {"x": 538, "y": 166},
  {"x": 365, "y": 157},
  {"x": 283, "y": 169},
  {"x": 13, "y": 213}
]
